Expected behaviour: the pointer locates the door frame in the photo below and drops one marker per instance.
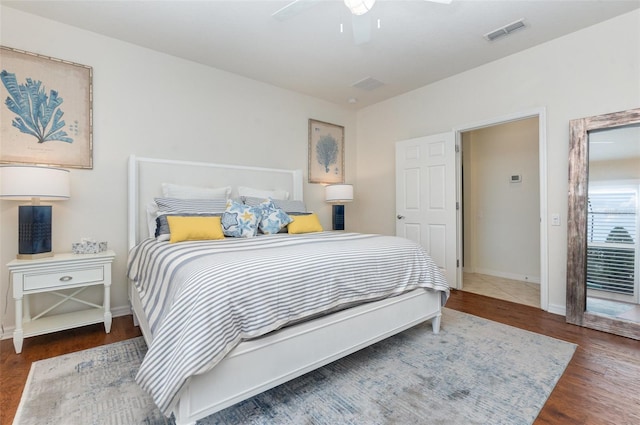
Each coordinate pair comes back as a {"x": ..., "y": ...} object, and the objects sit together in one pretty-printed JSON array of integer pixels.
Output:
[{"x": 542, "y": 163}]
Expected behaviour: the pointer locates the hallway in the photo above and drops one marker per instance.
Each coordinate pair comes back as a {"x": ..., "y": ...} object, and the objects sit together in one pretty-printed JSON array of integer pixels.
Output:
[
  {"x": 501, "y": 288},
  {"x": 526, "y": 293}
]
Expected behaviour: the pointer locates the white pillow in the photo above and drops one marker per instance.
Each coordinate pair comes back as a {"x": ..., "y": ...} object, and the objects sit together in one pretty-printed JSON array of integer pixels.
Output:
[
  {"x": 170, "y": 190},
  {"x": 260, "y": 193},
  {"x": 152, "y": 213}
]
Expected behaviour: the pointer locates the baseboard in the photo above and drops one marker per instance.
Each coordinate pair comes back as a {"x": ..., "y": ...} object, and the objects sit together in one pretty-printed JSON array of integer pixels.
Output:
[
  {"x": 557, "y": 309},
  {"x": 115, "y": 312},
  {"x": 121, "y": 311}
]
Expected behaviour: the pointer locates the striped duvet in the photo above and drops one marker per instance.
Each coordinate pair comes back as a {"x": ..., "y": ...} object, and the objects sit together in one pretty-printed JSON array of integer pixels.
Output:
[{"x": 203, "y": 298}]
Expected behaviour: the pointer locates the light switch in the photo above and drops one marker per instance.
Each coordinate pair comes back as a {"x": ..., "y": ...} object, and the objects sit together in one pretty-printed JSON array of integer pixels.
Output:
[{"x": 555, "y": 219}]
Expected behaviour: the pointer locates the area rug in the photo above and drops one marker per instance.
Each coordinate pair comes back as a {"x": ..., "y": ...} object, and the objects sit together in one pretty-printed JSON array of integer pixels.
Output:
[{"x": 474, "y": 371}]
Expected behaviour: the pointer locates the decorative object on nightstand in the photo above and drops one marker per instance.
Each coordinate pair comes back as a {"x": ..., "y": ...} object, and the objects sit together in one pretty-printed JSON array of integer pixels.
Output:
[
  {"x": 338, "y": 194},
  {"x": 57, "y": 273},
  {"x": 88, "y": 246},
  {"x": 34, "y": 183}
]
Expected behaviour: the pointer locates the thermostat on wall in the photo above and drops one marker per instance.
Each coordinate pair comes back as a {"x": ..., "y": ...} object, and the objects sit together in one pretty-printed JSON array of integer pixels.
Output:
[{"x": 516, "y": 178}]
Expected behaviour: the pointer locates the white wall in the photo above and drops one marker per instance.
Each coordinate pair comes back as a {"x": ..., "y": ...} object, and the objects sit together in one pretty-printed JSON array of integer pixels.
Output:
[
  {"x": 151, "y": 104},
  {"x": 589, "y": 72},
  {"x": 501, "y": 218},
  {"x": 620, "y": 169},
  {"x": 201, "y": 113}
]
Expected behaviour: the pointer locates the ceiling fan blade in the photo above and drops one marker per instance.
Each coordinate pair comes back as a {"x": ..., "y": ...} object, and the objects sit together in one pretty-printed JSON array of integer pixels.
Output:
[
  {"x": 293, "y": 9},
  {"x": 361, "y": 25}
]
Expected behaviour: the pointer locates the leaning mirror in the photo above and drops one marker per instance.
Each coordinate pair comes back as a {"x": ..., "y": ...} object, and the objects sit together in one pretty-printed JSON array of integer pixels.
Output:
[{"x": 603, "y": 223}]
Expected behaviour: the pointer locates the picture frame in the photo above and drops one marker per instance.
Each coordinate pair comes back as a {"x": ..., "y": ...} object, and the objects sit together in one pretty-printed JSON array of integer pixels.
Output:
[
  {"x": 326, "y": 152},
  {"x": 46, "y": 110}
]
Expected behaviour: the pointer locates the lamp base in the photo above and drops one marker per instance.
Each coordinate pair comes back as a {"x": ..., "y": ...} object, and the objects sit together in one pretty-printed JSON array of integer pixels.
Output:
[
  {"x": 34, "y": 256},
  {"x": 338, "y": 217},
  {"x": 34, "y": 231}
]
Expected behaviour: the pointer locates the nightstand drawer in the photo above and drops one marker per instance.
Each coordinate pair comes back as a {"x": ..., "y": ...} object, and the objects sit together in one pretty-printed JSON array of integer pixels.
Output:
[{"x": 67, "y": 278}]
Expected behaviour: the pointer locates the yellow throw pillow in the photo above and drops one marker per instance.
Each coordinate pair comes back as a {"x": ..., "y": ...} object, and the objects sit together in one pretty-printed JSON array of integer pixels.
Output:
[
  {"x": 194, "y": 228},
  {"x": 304, "y": 224}
]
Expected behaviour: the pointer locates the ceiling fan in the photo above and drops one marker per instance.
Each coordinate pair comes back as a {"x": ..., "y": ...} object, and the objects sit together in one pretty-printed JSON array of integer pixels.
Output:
[{"x": 361, "y": 24}]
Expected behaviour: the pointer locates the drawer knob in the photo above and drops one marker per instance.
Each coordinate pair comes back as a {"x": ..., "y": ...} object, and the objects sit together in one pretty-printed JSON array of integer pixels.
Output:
[{"x": 66, "y": 278}]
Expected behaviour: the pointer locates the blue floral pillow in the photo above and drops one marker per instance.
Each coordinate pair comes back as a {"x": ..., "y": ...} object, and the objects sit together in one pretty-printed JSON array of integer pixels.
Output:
[
  {"x": 273, "y": 218},
  {"x": 240, "y": 221}
]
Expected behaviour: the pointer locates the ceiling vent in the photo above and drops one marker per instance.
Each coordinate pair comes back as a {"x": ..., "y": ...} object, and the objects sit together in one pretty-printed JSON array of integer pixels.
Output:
[
  {"x": 506, "y": 30},
  {"x": 368, "y": 84}
]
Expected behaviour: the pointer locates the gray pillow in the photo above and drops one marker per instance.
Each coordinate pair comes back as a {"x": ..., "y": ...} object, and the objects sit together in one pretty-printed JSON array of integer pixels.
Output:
[
  {"x": 288, "y": 206},
  {"x": 191, "y": 206}
]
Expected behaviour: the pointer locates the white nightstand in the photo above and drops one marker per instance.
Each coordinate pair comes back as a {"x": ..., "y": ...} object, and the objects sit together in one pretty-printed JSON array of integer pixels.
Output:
[{"x": 52, "y": 274}]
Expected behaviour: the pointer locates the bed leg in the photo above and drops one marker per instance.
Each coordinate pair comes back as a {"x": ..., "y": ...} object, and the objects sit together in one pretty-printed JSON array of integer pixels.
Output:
[
  {"x": 435, "y": 323},
  {"x": 179, "y": 422}
]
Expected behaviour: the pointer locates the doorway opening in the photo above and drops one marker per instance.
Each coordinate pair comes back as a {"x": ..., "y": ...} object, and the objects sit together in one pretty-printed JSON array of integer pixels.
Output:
[{"x": 502, "y": 241}]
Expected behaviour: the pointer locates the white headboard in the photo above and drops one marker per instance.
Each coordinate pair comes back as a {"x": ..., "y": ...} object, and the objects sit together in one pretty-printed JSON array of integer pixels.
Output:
[{"x": 146, "y": 176}]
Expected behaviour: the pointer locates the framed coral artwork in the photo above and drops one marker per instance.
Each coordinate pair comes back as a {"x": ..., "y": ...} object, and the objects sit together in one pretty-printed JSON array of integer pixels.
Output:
[
  {"x": 46, "y": 114},
  {"x": 326, "y": 152}
]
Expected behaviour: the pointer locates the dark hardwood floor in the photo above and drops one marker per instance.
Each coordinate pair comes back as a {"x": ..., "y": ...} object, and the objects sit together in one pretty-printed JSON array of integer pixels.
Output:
[
  {"x": 601, "y": 385},
  {"x": 14, "y": 368}
]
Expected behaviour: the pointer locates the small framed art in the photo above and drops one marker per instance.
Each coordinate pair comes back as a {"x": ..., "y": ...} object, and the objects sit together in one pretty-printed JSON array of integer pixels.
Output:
[
  {"x": 326, "y": 152},
  {"x": 46, "y": 110}
]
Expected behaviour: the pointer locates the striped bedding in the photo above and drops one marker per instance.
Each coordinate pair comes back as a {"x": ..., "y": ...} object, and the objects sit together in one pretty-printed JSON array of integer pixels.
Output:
[{"x": 203, "y": 298}]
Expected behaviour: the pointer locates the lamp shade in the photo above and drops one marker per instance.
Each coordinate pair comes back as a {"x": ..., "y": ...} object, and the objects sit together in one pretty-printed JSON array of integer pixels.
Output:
[
  {"x": 339, "y": 193},
  {"x": 26, "y": 182}
]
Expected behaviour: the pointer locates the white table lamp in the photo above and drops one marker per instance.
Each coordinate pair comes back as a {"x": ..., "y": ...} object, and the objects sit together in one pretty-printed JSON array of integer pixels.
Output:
[
  {"x": 338, "y": 194},
  {"x": 35, "y": 184}
]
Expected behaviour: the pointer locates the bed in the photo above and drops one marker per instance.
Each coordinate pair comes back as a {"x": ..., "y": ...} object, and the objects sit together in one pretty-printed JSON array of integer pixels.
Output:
[{"x": 197, "y": 365}]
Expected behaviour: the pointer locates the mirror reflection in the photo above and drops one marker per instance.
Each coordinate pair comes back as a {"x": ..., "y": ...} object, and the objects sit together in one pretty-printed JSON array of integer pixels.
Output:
[{"x": 613, "y": 221}]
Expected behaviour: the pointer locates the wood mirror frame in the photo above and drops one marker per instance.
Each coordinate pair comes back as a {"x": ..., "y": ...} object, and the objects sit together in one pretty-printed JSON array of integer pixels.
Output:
[{"x": 577, "y": 223}]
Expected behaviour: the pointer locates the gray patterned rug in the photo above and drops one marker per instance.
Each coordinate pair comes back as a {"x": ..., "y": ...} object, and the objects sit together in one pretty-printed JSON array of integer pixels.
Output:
[{"x": 474, "y": 372}]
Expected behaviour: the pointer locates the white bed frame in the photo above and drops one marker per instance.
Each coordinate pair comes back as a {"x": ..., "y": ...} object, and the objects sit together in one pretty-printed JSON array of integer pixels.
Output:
[{"x": 255, "y": 366}]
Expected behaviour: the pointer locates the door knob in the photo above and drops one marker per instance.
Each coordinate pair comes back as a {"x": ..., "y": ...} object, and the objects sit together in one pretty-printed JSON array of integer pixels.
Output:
[{"x": 399, "y": 217}]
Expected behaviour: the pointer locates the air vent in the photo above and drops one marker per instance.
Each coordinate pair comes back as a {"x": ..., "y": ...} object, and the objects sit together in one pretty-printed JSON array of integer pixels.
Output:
[
  {"x": 368, "y": 84},
  {"x": 506, "y": 30}
]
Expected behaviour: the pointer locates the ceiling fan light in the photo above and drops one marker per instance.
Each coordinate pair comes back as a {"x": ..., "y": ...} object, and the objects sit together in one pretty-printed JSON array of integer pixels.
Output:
[{"x": 359, "y": 7}]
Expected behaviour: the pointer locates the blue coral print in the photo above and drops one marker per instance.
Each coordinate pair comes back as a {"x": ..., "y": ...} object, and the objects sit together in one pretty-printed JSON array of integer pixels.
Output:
[
  {"x": 38, "y": 114},
  {"x": 327, "y": 151}
]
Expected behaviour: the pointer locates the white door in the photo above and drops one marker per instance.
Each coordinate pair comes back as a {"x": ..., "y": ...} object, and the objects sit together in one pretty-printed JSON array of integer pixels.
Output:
[{"x": 426, "y": 197}]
